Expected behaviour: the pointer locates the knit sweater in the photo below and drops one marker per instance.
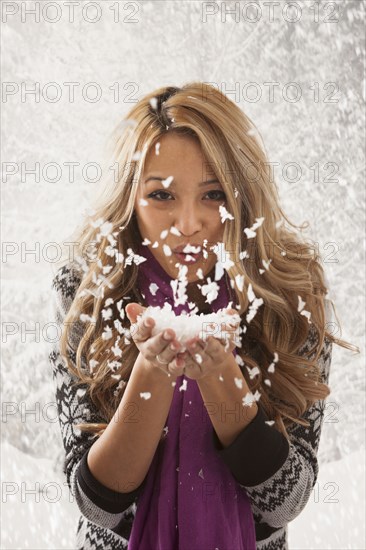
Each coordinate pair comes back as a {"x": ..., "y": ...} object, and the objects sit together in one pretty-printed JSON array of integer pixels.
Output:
[{"x": 277, "y": 475}]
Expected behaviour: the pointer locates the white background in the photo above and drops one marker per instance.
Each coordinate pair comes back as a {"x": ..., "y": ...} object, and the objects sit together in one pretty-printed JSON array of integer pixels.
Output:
[{"x": 152, "y": 44}]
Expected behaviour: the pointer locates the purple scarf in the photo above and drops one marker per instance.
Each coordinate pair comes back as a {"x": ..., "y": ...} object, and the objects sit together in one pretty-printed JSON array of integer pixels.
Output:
[{"x": 190, "y": 501}]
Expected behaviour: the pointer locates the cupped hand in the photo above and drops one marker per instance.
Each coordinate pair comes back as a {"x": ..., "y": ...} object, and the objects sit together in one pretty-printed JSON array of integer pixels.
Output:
[
  {"x": 206, "y": 357},
  {"x": 150, "y": 346}
]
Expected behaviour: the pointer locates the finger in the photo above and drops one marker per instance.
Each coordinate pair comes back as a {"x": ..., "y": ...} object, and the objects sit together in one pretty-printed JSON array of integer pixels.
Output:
[
  {"x": 133, "y": 310},
  {"x": 232, "y": 311},
  {"x": 171, "y": 352},
  {"x": 228, "y": 345},
  {"x": 185, "y": 362},
  {"x": 177, "y": 366},
  {"x": 179, "y": 360},
  {"x": 230, "y": 324},
  {"x": 201, "y": 343},
  {"x": 196, "y": 351},
  {"x": 165, "y": 345},
  {"x": 229, "y": 328},
  {"x": 231, "y": 334},
  {"x": 141, "y": 331},
  {"x": 195, "y": 346},
  {"x": 214, "y": 348}
]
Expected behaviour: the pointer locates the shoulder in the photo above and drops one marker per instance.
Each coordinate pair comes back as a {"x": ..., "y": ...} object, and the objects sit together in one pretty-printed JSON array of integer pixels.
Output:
[
  {"x": 309, "y": 349},
  {"x": 65, "y": 282}
]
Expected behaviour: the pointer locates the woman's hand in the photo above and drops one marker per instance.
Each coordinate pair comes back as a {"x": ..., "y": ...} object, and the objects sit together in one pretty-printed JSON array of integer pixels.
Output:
[
  {"x": 207, "y": 358},
  {"x": 151, "y": 346}
]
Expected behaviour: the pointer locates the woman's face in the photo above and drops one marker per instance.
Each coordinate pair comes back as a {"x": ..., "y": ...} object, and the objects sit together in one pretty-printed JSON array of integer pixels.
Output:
[{"x": 186, "y": 204}]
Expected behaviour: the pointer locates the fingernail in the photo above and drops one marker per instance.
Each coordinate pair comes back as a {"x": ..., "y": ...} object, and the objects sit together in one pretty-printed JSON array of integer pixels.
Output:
[
  {"x": 167, "y": 336},
  {"x": 147, "y": 323}
]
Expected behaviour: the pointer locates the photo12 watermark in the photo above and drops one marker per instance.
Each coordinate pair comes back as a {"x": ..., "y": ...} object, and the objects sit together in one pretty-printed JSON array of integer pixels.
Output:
[
  {"x": 68, "y": 92},
  {"x": 127, "y": 92},
  {"x": 28, "y": 11},
  {"x": 254, "y": 12},
  {"x": 75, "y": 173}
]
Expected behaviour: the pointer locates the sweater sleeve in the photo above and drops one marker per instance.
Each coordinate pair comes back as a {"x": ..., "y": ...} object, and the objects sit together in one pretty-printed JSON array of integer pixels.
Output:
[
  {"x": 96, "y": 502},
  {"x": 279, "y": 475}
]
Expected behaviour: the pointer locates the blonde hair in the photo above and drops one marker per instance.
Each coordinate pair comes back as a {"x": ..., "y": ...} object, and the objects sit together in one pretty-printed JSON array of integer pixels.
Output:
[{"x": 231, "y": 143}]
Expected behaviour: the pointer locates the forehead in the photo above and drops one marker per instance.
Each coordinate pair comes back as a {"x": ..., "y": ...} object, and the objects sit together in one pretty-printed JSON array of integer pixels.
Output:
[{"x": 177, "y": 153}]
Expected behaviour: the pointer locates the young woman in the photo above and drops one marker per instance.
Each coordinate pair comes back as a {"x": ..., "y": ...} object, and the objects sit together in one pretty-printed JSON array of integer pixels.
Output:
[{"x": 211, "y": 445}]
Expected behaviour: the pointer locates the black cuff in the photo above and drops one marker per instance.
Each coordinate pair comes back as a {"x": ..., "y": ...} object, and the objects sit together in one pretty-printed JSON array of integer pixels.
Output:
[
  {"x": 103, "y": 497},
  {"x": 257, "y": 453}
]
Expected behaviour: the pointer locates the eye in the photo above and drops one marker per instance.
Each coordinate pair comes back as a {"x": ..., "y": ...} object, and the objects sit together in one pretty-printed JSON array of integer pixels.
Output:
[
  {"x": 221, "y": 194},
  {"x": 156, "y": 193},
  {"x": 163, "y": 196}
]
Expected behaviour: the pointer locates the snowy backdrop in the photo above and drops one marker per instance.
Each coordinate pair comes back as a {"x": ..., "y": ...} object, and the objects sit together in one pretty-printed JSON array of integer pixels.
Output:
[{"x": 70, "y": 71}]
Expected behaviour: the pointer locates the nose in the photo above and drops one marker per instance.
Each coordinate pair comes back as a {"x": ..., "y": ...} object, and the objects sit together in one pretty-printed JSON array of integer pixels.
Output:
[{"x": 188, "y": 220}]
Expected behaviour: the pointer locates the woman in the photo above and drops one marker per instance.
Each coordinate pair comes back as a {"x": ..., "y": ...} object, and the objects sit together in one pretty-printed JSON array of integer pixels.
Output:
[{"x": 211, "y": 445}]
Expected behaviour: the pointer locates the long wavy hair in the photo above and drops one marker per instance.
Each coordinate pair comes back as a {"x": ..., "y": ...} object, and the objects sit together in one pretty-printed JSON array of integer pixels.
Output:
[{"x": 282, "y": 267}]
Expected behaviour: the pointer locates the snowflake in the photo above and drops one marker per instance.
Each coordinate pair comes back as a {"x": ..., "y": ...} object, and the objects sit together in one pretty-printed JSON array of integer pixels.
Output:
[
  {"x": 225, "y": 215},
  {"x": 167, "y": 181},
  {"x": 154, "y": 102},
  {"x": 145, "y": 395}
]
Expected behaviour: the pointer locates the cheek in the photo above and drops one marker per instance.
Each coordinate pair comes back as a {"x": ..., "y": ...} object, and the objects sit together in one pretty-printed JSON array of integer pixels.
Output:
[
  {"x": 218, "y": 229},
  {"x": 142, "y": 223},
  {"x": 150, "y": 221}
]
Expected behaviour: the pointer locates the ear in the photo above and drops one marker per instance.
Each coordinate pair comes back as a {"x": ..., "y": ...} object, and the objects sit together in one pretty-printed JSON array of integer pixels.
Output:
[{"x": 133, "y": 310}]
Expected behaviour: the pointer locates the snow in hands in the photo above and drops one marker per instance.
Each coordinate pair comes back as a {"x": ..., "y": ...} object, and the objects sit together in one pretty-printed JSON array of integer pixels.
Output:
[{"x": 189, "y": 326}]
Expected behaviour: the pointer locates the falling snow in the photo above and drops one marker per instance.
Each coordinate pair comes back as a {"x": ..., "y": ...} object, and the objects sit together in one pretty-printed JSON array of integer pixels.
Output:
[
  {"x": 154, "y": 102},
  {"x": 310, "y": 132},
  {"x": 153, "y": 287},
  {"x": 167, "y": 251},
  {"x": 225, "y": 215},
  {"x": 167, "y": 181},
  {"x": 238, "y": 382},
  {"x": 145, "y": 395}
]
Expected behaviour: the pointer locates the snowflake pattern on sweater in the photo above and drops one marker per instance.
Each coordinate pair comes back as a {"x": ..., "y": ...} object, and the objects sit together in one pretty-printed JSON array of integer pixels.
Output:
[{"x": 107, "y": 516}]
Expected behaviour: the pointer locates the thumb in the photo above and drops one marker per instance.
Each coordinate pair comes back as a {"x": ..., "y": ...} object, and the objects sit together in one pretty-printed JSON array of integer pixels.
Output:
[
  {"x": 133, "y": 310},
  {"x": 231, "y": 311}
]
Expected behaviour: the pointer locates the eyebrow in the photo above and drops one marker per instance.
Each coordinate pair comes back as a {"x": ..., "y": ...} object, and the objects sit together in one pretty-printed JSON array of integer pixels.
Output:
[{"x": 208, "y": 182}]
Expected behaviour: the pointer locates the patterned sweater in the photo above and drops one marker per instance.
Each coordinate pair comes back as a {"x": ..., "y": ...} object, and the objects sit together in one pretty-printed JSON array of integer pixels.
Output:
[{"x": 278, "y": 476}]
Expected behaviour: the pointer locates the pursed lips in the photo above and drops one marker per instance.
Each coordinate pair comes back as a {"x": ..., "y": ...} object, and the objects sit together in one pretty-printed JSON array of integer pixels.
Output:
[{"x": 188, "y": 249}]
